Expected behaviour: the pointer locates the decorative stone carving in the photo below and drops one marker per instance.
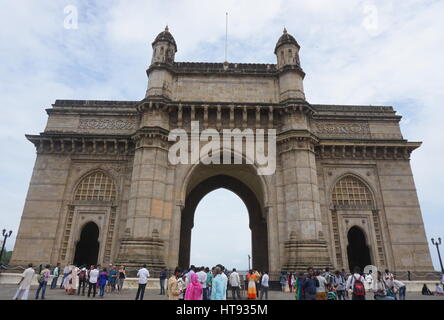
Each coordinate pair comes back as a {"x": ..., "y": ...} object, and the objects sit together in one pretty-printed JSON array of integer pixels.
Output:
[
  {"x": 335, "y": 129},
  {"x": 107, "y": 124}
]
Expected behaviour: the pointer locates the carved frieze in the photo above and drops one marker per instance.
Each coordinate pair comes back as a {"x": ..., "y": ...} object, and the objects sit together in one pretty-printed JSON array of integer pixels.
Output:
[
  {"x": 108, "y": 124},
  {"x": 341, "y": 129}
]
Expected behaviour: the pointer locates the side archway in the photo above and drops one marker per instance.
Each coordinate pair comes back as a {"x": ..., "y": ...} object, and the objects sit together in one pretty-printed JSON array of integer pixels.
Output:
[
  {"x": 87, "y": 248},
  {"x": 358, "y": 251}
]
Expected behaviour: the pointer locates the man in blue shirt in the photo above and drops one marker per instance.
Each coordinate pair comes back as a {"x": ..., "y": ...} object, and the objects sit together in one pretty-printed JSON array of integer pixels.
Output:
[{"x": 219, "y": 287}]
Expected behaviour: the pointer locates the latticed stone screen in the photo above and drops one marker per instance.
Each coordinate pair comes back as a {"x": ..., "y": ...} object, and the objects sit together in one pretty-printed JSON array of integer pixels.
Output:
[
  {"x": 96, "y": 186},
  {"x": 350, "y": 192}
]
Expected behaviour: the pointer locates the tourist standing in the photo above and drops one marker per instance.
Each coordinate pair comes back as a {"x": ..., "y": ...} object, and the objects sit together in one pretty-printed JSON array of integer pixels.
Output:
[
  {"x": 43, "y": 281},
  {"x": 162, "y": 278},
  {"x": 92, "y": 280},
  {"x": 207, "y": 295},
  {"x": 102, "y": 280},
  {"x": 25, "y": 283},
  {"x": 55, "y": 276},
  {"x": 194, "y": 289},
  {"x": 369, "y": 279},
  {"x": 82, "y": 281},
  {"x": 310, "y": 285},
  {"x": 66, "y": 271},
  {"x": 283, "y": 281},
  {"x": 181, "y": 284},
  {"x": 298, "y": 292},
  {"x": 173, "y": 289},
  {"x": 290, "y": 281},
  {"x": 121, "y": 278},
  {"x": 113, "y": 274},
  {"x": 321, "y": 292},
  {"x": 388, "y": 280},
  {"x": 264, "y": 285},
  {"x": 219, "y": 285},
  {"x": 235, "y": 284},
  {"x": 339, "y": 285},
  {"x": 143, "y": 275},
  {"x": 252, "y": 292},
  {"x": 380, "y": 288},
  {"x": 355, "y": 285}
]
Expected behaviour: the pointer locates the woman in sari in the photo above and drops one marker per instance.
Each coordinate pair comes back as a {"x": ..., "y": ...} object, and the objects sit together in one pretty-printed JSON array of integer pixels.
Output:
[
  {"x": 194, "y": 289},
  {"x": 298, "y": 293},
  {"x": 291, "y": 281},
  {"x": 251, "y": 293}
]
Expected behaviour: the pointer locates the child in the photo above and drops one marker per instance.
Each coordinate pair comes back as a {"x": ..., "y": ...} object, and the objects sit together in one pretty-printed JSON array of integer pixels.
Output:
[{"x": 331, "y": 293}]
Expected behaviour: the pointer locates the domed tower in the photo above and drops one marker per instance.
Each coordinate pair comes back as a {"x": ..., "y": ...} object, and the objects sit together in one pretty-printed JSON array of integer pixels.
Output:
[
  {"x": 164, "y": 48},
  {"x": 159, "y": 73},
  {"x": 291, "y": 74}
]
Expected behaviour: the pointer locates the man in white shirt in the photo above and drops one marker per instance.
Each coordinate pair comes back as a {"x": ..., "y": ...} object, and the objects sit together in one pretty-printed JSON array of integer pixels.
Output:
[
  {"x": 190, "y": 272},
  {"x": 355, "y": 285},
  {"x": 25, "y": 283},
  {"x": 92, "y": 280},
  {"x": 143, "y": 275},
  {"x": 369, "y": 280},
  {"x": 321, "y": 293},
  {"x": 264, "y": 285},
  {"x": 202, "y": 278},
  {"x": 235, "y": 284}
]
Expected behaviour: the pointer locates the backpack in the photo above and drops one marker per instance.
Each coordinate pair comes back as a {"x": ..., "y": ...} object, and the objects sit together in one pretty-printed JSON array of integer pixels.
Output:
[{"x": 358, "y": 287}]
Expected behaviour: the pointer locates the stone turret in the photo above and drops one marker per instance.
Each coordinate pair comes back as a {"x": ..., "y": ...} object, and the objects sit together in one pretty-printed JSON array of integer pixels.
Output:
[
  {"x": 159, "y": 74},
  {"x": 164, "y": 48},
  {"x": 291, "y": 74}
]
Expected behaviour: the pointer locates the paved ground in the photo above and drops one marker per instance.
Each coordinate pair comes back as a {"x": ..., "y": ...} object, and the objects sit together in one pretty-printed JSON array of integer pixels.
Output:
[{"x": 8, "y": 291}]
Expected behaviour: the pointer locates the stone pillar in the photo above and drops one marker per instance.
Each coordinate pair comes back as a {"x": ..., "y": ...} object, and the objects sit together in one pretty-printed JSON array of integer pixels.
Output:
[
  {"x": 305, "y": 245},
  {"x": 148, "y": 204}
]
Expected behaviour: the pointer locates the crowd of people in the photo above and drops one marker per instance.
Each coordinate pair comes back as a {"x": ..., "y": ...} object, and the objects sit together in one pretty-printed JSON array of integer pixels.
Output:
[
  {"x": 74, "y": 280},
  {"x": 203, "y": 283}
]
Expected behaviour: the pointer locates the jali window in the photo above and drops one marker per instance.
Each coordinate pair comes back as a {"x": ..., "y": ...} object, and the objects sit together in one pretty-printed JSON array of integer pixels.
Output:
[
  {"x": 96, "y": 186},
  {"x": 350, "y": 192}
]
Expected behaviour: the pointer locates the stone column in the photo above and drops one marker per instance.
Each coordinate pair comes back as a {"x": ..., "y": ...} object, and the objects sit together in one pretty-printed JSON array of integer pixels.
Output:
[
  {"x": 305, "y": 245},
  {"x": 148, "y": 203}
]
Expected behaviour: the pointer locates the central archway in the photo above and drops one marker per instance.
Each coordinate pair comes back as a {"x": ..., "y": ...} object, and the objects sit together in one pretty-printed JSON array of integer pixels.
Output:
[
  {"x": 87, "y": 249},
  {"x": 258, "y": 223}
]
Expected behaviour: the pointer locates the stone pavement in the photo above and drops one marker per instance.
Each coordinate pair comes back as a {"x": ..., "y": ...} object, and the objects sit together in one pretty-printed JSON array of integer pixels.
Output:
[{"x": 8, "y": 291}]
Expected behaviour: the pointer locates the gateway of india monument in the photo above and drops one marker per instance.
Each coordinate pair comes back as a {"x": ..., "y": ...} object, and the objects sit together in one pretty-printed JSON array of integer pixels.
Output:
[{"x": 103, "y": 190}]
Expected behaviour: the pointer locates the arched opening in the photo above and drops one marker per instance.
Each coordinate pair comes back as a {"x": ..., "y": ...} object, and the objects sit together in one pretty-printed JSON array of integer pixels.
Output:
[
  {"x": 357, "y": 250},
  {"x": 257, "y": 221},
  {"x": 87, "y": 249},
  {"x": 221, "y": 233}
]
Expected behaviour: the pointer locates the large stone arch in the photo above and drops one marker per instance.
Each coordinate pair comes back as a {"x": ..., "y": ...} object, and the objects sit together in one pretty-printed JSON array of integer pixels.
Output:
[{"x": 243, "y": 181}]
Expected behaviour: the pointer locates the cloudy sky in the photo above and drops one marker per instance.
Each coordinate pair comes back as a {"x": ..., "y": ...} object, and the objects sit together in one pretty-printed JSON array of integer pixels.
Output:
[{"x": 354, "y": 52}]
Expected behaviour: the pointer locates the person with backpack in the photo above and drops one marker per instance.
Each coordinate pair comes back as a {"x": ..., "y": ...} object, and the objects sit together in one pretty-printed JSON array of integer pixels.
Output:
[
  {"x": 43, "y": 281},
  {"x": 310, "y": 285},
  {"x": 82, "y": 281},
  {"x": 355, "y": 284},
  {"x": 380, "y": 289}
]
